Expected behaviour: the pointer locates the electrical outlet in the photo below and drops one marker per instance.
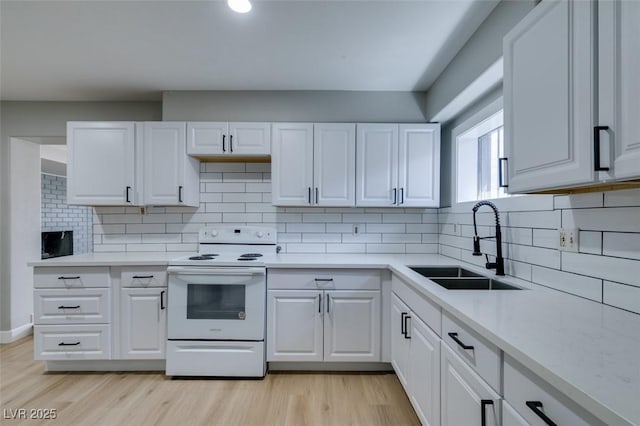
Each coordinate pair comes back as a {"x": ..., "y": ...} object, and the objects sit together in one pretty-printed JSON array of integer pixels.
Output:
[{"x": 568, "y": 239}]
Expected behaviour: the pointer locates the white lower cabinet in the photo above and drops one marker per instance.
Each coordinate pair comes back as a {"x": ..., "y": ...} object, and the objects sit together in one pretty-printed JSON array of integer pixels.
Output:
[
  {"x": 72, "y": 342},
  {"x": 143, "y": 323},
  {"x": 415, "y": 357},
  {"x": 466, "y": 398},
  {"x": 537, "y": 402}
]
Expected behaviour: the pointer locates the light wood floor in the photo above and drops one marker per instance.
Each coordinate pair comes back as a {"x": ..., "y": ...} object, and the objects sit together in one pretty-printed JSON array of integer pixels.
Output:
[{"x": 152, "y": 398}]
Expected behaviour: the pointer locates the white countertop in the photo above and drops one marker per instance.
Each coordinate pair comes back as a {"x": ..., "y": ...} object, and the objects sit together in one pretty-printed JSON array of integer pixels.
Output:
[{"x": 588, "y": 351}]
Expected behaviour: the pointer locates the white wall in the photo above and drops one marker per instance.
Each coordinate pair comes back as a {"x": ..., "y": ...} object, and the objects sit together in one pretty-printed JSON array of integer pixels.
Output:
[
  {"x": 44, "y": 119},
  {"x": 327, "y": 106}
]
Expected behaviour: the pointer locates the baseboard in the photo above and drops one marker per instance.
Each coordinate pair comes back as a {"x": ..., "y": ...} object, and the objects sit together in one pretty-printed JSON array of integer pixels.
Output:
[
  {"x": 329, "y": 366},
  {"x": 16, "y": 333},
  {"x": 107, "y": 365}
]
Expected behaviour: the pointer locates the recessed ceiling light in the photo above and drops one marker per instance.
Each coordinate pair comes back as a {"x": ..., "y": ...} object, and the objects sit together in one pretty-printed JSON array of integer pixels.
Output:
[{"x": 240, "y": 6}]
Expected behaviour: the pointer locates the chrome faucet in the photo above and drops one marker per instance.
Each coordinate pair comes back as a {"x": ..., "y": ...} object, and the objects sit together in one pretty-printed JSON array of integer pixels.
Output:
[{"x": 498, "y": 265}]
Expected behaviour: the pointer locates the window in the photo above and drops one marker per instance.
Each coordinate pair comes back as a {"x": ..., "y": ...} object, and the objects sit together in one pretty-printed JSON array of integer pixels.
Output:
[{"x": 479, "y": 147}]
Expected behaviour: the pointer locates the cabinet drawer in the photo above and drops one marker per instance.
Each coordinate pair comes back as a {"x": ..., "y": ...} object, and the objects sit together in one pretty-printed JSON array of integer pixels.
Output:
[
  {"x": 71, "y": 277},
  {"x": 521, "y": 386},
  {"x": 481, "y": 355},
  {"x": 70, "y": 342},
  {"x": 428, "y": 311},
  {"x": 330, "y": 279},
  {"x": 144, "y": 276},
  {"x": 71, "y": 306}
]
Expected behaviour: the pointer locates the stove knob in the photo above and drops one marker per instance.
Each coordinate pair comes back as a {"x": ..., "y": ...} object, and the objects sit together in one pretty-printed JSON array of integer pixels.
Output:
[
  {"x": 259, "y": 234},
  {"x": 214, "y": 233}
]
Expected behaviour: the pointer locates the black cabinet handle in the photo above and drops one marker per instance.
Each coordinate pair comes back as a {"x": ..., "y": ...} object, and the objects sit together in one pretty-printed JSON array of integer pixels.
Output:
[
  {"x": 319, "y": 303},
  {"x": 535, "y": 406},
  {"x": 402, "y": 330},
  {"x": 323, "y": 280},
  {"x": 68, "y": 344},
  {"x": 127, "y": 190},
  {"x": 230, "y": 143},
  {"x": 69, "y": 307},
  {"x": 180, "y": 188},
  {"x": 401, "y": 196},
  {"x": 328, "y": 302},
  {"x": 501, "y": 171},
  {"x": 483, "y": 405},
  {"x": 309, "y": 194},
  {"x": 224, "y": 149},
  {"x": 69, "y": 278},
  {"x": 454, "y": 336},
  {"x": 316, "y": 195},
  {"x": 406, "y": 329},
  {"x": 162, "y": 307},
  {"x": 596, "y": 148},
  {"x": 142, "y": 276},
  {"x": 395, "y": 196}
]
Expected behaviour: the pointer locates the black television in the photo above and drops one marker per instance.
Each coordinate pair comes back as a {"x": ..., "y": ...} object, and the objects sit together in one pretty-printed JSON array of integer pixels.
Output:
[{"x": 56, "y": 244}]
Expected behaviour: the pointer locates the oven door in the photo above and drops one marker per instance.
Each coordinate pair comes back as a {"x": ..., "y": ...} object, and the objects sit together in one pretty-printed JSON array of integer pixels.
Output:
[{"x": 216, "y": 303}]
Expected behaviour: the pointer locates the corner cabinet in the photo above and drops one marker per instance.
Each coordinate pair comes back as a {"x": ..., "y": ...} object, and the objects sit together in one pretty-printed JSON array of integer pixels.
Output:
[
  {"x": 228, "y": 139},
  {"x": 103, "y": 164},
  {"x": 313, "y": 164},
  {"x": 171, "y": 177},
  {"x": 570, "y": 95},
  {"x": 398, "y": 165}
]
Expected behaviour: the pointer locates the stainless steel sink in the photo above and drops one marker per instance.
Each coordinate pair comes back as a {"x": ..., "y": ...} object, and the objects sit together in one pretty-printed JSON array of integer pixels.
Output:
[
  {"x": 443, "y": 271},
  {"x": 473, "y": 284}
]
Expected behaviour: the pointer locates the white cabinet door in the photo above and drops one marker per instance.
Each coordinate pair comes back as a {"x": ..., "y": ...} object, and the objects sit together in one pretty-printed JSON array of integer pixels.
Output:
[
  {"x": 352, "y": 325},
  {"x": 164, "y": 156},
  {"x": 101, "y": 167},
  {"x": 377, "y": 165},
  {"x": 619, "y": 86},
  {"x": 424, "y": 372},
  {"x": 207, "y": 138},
  {"x": 249, "y": 138},
  {"x": 294, "y": 325},
  {"x": 400, "y": 342},
  {"x": 334, "y": 164},
  {"x": 548, "y": 97},
  {"x": 465, "y": 397},
  {"x": 419, "y": 165},
  {"x": 292, "y": 164},
  {"x": 143, "y": 323}
]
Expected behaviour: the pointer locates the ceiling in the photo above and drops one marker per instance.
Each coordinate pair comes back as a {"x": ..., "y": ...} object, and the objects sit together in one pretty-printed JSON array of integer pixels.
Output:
[{"x": 135, "y": 50}]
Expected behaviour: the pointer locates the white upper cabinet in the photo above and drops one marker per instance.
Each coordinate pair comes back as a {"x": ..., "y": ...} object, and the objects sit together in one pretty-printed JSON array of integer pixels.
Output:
[
  {"x": 313, "y": 164},
  {"x": 171, "y": 177},
  {"x": 619, "y": 85},
  {"x": 334, "y": 164},
  {"x": 571, "y": 95},
  {"x": 222, "y": 138},
  {"x": 377, "y": 165},
  {"x": 419, "y": 165},
  {"x": 103, "y": 164},
  {"x": 292, "y": 164},
  {"x": 398, "y": 165}
]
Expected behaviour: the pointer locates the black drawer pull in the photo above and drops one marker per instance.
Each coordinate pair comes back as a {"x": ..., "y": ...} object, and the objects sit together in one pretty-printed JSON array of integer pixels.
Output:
[
  {"x": 323, "y": 280},
  {"x": 319, "y": 303},
  {"x": 402, "y": 329},
  {"x": 406, "y": 329},
  {"x": 162, "y": 307},
  {"x": 454, "y": 336},
  {"x": 596, "y": 148},
  {"x": 142, "y": 276},
  {"x": 483, "y": 415},
  {"x": 68, "y": 344},
  {"x": 69, "y": 307},
  {"x": 69, "y": 278},
  {"x": 535, "y": 406}
]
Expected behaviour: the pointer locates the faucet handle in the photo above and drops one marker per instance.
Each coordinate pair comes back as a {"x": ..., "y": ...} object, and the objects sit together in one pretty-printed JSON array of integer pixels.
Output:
[{"x": 476, "y": 246}]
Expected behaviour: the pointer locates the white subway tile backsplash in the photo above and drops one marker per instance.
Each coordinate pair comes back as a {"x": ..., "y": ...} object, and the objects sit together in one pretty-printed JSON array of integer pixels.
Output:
[
  {"x": 578, "y": 201},
  {"x": 362, "y": 218},
  {"x": 535, "y": 219},
  {"x": 430, "y": 238},
  {"x": 340, "y": 227},
  {"x": 259, "y": 167},
  {"x": 621, "y": 245},
  {"x": 242, "y": 177},
  {"x": 225, "y": 167},
  {"x": 162, "y": 238},
  {"x": 401, "y": 238},
  {"x": 259, "y": 187},
  {"x": 162, "y": 218},
  {"x": 109, "y": 248},
  {"x": 100, "y": 228},
  {"x": 321, "y": 238},
  {"x": 121, "y": 218},
  {"x": 226, "y": 187},
  {"x": 385, "y": 248},
  {"x": 626, "y": 198},
  {"x": 402, "y": 218},
  {"x": 242, "y": 197},
  {"x": 608, "y": 268},
  {"x": 322, "y": 217},
  {"x": 580, "y": 285},
  {"x": 386, "y": 227},
  {"x": 305, "y": 227},
  {"x": 590, "y": 242},
  {"x": 210, "y": 177},
  {"x": 421, "y": 228},
  {"x": 622, "y": 296},
  {"x": 346, "y": 248},
  {"x": 361, "y": 238},
  {"x": 548, "y": 238},
  {"x": 188, "y": 248},
  {"x": 619, "y": 219},
  {"x": 305, "y": 248},
  {"x": 146, "y": 228},
  {"x": 289, "y": 237},
  {"x": 421, "y": 248},
  {"x": 121, "y": 238},
  {"x": 225, "y": 207}
]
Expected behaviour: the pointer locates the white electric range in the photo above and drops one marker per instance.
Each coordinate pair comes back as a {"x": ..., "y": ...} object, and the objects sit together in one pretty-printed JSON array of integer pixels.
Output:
[{"x": 217, "y": 304}]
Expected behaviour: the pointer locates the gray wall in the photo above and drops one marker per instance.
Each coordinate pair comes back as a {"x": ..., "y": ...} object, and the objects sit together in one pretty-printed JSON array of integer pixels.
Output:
[
  {"x": 482, "y": 50},
  {"x": 45, "y": 119},
  {"x": 327, "y": 106}
]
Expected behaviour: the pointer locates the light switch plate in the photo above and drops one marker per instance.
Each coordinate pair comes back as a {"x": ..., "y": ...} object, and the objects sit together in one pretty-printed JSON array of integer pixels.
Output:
[{"x": 568, "y": 239}]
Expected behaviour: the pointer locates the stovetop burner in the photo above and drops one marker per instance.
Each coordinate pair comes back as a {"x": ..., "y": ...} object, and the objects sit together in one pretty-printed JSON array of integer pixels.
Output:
[
  {"x": 251, "y": 255},
  {"x": 247, "y": 258},
  {"x": 203, "y": 257}
]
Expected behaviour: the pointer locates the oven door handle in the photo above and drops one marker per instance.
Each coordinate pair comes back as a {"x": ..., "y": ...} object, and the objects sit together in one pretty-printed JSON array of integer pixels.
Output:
[{"x": 215, "y": 271}]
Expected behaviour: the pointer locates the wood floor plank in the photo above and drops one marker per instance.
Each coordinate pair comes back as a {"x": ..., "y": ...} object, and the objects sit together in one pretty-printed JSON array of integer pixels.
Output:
[{"x": 150, "y": 398}]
